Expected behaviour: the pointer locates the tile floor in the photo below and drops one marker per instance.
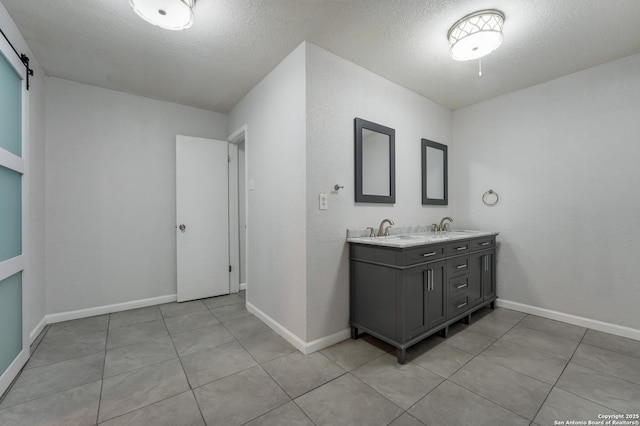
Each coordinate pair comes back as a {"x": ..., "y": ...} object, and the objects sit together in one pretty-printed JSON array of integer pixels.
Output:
[{"x": 212, "y": 362}]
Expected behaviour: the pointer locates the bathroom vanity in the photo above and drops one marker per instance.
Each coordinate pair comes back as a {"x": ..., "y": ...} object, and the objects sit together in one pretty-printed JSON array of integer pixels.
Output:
[{"x": 404, "y": 288}]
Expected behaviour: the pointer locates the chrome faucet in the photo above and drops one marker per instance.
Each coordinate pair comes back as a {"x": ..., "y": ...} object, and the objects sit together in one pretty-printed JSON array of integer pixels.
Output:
[
  {"x": 382, "y": 231},
  {"x": 443, "y": 226}
]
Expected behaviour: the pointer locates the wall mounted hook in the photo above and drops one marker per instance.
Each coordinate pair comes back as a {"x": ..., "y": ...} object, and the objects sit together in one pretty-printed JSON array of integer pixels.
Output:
[{"x": 337, "y": 187}]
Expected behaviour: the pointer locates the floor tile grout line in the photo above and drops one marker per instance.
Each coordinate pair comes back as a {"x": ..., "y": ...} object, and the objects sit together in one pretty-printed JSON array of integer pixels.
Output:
[
  {"x": 487, "y": 399},
  {"x": 553, "y": 334},
  {"x": 303, "y": 412},
  {"x": 145, "y": 406},
  {"x": 560, "y": 375},
  {"x": 258, "y": 364},
  {"x": 186, "y": 377},
  {"x": 191, "y": 389},
  {"x": 306, "y": 392},
  {"x": 609, "y": 350},
  {"x": 104, "y": 364},
  {"x": 41, "y": 396},
  {"x": 143, "y": 340},
  {"x": 60, "y": 361},
  {"x": 269, "y": 411},
  {"x": 432, "y": 372},
  {"x": 133, "y": 324},
  {"x": 607, "y": 374},
  {"x": 461, "y": 367},
  {"x": 591, "y": 369},
  {"x": 373, "y": 389}
]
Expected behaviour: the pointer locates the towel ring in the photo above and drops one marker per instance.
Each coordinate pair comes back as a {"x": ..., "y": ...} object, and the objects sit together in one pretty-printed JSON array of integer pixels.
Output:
[{"x": 489, "y": 193}]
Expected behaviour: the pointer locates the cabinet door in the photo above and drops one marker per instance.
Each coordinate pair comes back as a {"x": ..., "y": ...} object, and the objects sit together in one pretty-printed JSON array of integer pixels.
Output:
[
  {"x": 476, "y": 268},
  {"x": 489, "y": 274},
  {"x": 416, "y": 286},
  {"x": 436, "y": 312},
  {"x": 425, "y": 301},
  {"x": 482, "y": 279}
]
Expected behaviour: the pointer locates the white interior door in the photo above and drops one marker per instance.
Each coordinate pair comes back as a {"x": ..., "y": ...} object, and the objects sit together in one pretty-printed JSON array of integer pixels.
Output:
[{"x": 202, "y": 212}]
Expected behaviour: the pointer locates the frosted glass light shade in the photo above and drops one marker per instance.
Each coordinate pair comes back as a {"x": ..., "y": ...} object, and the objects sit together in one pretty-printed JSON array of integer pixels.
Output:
[
  {"x": 476, "y": 35},
  {"x": 167, "y": 14}
]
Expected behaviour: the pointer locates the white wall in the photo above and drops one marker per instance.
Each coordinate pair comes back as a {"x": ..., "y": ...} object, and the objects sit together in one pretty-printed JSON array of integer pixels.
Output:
[
  {"x": 110, "y": 193},
  {"x": 563, "y": 156},
  {"x": 275, "y": 148},
  {"x": 337, "y": 92},
  {"x": 34, "y": 275}
]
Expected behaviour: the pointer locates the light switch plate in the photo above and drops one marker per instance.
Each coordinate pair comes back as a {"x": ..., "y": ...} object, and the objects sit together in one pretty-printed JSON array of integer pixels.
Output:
[{"x": 323, "y": 201}]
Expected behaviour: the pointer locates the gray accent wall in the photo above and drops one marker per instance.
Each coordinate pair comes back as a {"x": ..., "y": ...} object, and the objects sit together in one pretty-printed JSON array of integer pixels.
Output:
[
  {"x": 111, "y": 193},
  {"x": 563, "y": 156}
]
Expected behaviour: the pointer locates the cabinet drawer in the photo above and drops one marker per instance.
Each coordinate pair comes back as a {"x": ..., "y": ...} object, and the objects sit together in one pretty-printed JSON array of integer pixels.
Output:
[
  {"x": 458, "y": 305},
  {"x": 457, "y": 266},
  {"x": 482, "y": 243},
  {"x": 423, "y": 254},
  {"x": 459, "y": 285},
  {"x": 458, "y": 247}
]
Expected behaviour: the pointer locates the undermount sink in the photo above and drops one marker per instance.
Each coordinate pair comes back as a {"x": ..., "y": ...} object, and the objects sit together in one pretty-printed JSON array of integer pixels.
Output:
[
  {"x": 403, "y": 237},
  {"x": 457, "y": 233},
  {"x": 420, "y": 237}
]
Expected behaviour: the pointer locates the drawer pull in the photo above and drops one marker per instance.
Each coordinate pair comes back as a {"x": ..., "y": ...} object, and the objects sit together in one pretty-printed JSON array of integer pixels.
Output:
[
  {"x": 486, "y": 243},
  {"x": 433, "y": 253},
  {"x": 461, "y": 305},
  {"x": 464, "y": 265},
  {"x": 462, "y": 285},
  {"x": 461, "y": 248}
]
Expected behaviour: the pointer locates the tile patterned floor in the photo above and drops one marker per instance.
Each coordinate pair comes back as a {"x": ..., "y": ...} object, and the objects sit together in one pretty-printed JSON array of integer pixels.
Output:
[{"x": 210, "y": 362}]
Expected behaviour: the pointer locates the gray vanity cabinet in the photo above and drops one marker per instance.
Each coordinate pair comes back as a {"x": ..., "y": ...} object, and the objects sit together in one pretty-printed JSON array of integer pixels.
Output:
[{"x": 403, "y": 295}]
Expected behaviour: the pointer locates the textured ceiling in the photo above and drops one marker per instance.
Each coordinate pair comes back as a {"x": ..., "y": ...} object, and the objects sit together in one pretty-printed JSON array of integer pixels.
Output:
[{"x": 234, "y": 43}]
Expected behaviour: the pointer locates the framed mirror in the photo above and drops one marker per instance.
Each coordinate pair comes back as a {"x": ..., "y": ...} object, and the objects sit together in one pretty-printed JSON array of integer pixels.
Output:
[
  {"x": 434, "y": 173},
  {"x": 375, "y": 163}
]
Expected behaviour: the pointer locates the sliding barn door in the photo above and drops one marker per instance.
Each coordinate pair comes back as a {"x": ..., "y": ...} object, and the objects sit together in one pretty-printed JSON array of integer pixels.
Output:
[{"x": 14, "y": 340}]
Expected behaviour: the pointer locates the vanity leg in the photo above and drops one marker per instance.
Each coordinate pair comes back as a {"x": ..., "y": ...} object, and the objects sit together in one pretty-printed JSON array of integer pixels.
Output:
[
  {"x": 401, "y": 354},
  {"x": 467, "y": 319},
  {"x": 354, "y": 333},
  {"x": 492, "y": 305},
  {"x": 444, "y": 332}
]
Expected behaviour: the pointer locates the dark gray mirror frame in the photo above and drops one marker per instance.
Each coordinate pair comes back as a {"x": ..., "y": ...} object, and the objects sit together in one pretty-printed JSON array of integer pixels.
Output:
[
  {"x": 434, "y": 201},
  {"x": 368, "y": 198}
]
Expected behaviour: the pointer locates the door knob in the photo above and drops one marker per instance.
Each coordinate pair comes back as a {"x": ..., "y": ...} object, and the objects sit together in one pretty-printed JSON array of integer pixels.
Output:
[{"x": 182, "y": 227}]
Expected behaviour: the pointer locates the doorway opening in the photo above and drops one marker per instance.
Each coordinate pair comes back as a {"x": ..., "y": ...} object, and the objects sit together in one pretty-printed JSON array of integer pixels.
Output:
[{"x": 238, "y": 208}]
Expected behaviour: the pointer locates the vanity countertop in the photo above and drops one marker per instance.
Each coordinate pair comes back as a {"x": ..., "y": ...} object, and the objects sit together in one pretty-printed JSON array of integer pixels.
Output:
[{"x": 419, "y": 238}]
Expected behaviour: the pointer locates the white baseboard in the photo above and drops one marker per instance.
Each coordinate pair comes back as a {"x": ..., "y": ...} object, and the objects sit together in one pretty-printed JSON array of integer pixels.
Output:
[
  {"x": 326, "y": 341},
  {"x": 243, "y": 286},
  {"x": 37, "y": 330},
  {"x": 304, "y": 347},
  {"x": 278, "y": 328},
  {"x": 6, "y": 378},
  {"x": 108, "y": 309},
  {"x": 605, "y": 327}
]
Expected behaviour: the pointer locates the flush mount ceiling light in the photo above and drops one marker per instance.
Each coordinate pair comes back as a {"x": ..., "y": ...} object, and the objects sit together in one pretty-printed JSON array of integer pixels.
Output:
[
  {"x": 476, "y": 35},
  {"x": 167, "y": 14}
]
